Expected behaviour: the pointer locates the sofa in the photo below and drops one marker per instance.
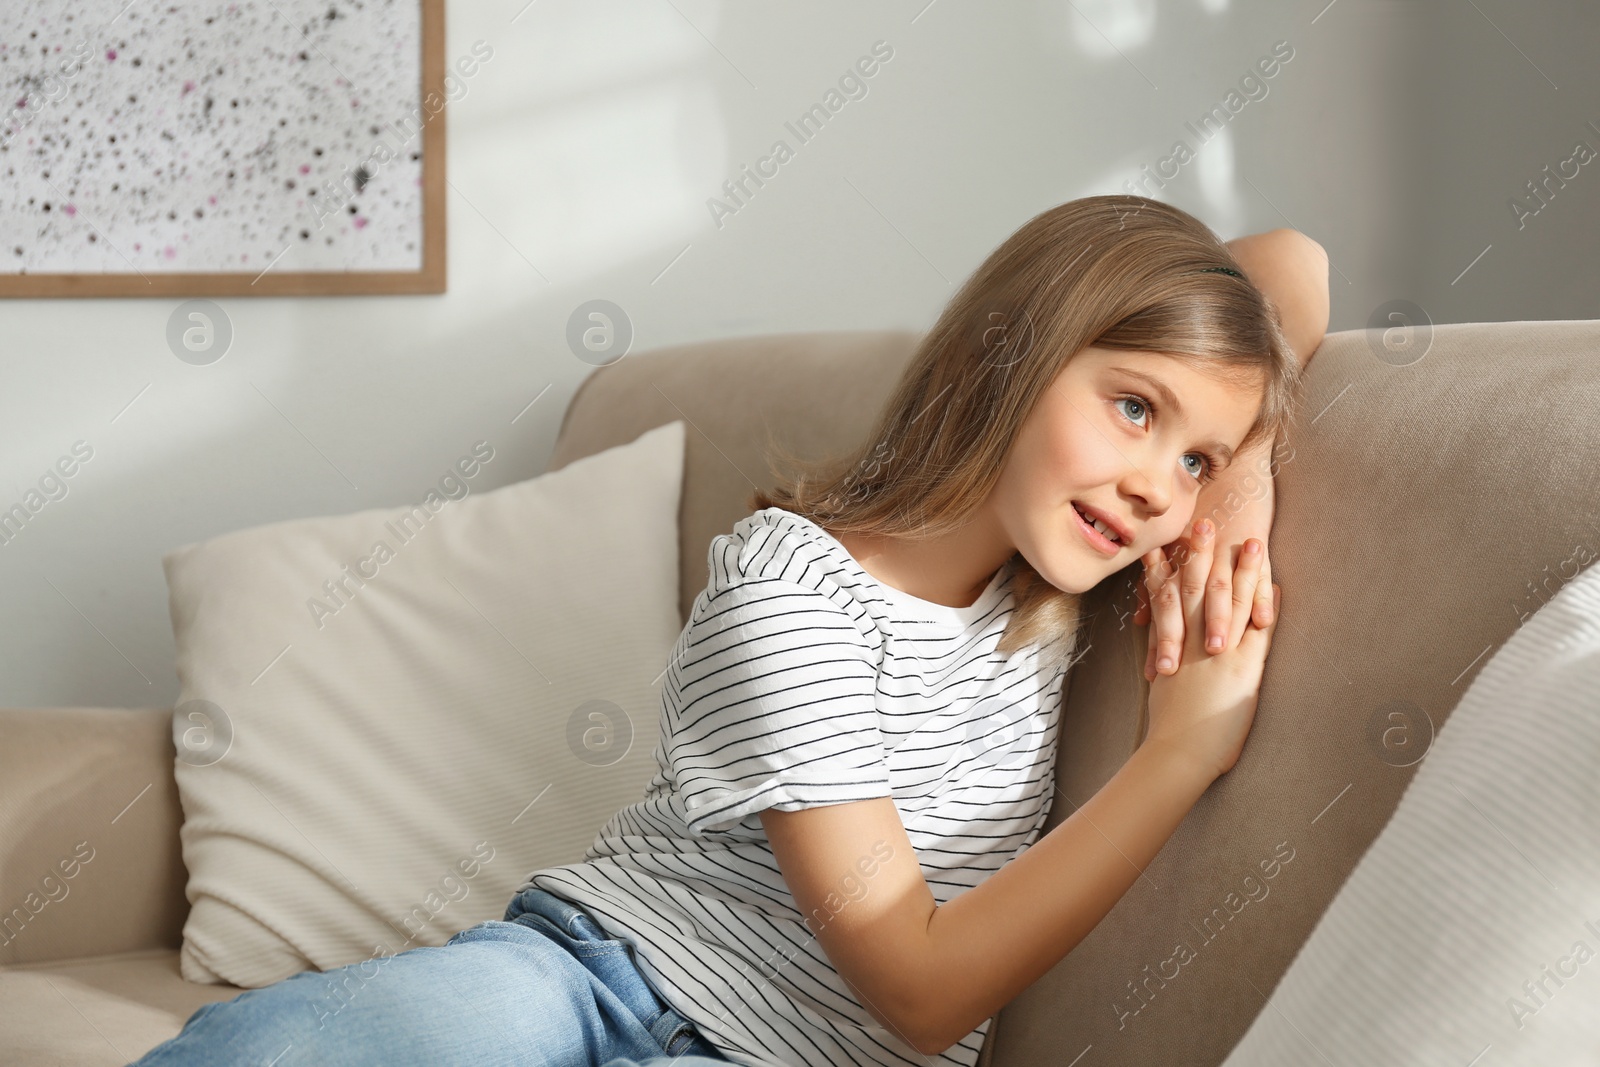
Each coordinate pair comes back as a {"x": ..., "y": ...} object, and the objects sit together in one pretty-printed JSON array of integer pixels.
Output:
[{"x": 1425, "y": 505}]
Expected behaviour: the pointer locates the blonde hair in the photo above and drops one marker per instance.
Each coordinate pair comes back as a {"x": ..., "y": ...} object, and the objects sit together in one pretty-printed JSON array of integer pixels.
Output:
[{"x": 1119, "y": 271}]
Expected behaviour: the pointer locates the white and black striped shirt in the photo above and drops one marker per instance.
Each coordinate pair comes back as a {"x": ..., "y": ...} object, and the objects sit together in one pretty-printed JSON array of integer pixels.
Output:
[{"x": 801, "y": 680}]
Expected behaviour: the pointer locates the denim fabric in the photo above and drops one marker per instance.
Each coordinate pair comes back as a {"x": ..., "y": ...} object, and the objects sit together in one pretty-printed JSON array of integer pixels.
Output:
[{"x": 542, "y": 986}]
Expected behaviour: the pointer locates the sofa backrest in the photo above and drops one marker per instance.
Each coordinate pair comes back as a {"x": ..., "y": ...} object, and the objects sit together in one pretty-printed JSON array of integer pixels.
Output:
[
  {"x": 815, "y": 393},
  {"x": 1423, "y": 511}
]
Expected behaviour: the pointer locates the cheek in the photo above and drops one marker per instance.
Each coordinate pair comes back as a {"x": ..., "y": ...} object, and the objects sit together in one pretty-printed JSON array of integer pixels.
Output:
[
  {"x": 1171, "y": 526},
  {"x": 1080, "y": 455}
]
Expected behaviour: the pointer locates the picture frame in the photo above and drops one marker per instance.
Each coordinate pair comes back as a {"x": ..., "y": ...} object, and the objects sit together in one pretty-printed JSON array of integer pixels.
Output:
[{"x": 256, "y": 108}]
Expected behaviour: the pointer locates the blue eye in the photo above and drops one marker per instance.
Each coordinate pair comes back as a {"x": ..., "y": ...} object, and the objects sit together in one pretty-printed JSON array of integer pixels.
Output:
[
  {"x": 1142, "y": 412},
  {"x": 1141, "y": 415}
]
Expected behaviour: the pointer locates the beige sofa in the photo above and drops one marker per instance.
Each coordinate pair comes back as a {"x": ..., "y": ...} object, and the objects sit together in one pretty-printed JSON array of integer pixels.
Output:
[{"x": 1423, "y": 511}]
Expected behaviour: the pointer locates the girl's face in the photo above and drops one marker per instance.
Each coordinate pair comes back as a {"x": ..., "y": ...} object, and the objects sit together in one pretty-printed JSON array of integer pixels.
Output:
[{"x": 1128, "y": 437}]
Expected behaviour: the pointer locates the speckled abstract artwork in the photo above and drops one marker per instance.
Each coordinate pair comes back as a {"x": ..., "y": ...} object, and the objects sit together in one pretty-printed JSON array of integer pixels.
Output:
[{"x": 185, "y": 137}]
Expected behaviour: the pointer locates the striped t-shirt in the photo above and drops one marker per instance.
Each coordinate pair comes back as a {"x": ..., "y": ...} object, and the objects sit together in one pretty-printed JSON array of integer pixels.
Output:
[{"x": 801, "y": 680}]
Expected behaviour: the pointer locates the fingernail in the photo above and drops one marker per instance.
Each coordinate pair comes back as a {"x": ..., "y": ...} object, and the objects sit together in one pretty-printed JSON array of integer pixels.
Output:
[
  {"x": 1252, "y": 546},
  {"x": 1213, "y": 642},
  {"x": 1165, "y": 663}
]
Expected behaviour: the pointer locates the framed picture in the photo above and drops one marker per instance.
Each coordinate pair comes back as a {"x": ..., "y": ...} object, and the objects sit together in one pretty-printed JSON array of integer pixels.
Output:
[{"x": 244, "y": 148}]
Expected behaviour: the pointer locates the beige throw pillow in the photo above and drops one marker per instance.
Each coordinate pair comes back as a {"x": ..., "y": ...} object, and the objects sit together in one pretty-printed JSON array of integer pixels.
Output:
[{"x": 388, "y": 718}]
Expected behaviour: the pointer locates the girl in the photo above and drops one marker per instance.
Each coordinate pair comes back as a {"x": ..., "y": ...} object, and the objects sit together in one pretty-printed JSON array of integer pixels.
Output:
[{"x": 839, "y": 859}]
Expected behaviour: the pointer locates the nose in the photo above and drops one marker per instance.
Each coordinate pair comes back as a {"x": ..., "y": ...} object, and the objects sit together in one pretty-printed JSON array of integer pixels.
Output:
[{"x": 1149, "y": 482}]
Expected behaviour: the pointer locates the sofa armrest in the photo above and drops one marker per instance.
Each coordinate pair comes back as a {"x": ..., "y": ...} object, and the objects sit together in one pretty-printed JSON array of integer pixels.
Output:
[{"x": 90, "y": 862}]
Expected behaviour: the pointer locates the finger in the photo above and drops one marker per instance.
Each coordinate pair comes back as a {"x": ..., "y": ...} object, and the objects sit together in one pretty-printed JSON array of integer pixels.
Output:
[
  {"x": 1248, "y": 589},
  {"x": 1219, "y": 607},
  {"x": 1258, "y": 639},
  {"x": 1157, "y": 568},
  {"x": 1193, "y": 575},
  {"x": 1141, "y": 616},
  {"x": 1263, "y": 612},
  {"x": 1166, "y": 612},
  {"x": 1149, "y": 647},
  {"x": 1155, "y": 564}
]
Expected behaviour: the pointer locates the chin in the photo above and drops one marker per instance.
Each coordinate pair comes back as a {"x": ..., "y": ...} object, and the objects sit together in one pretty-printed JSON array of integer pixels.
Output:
[
  {"x": 1077, "y": 575},
  {"x": 1089, "y": 583}
]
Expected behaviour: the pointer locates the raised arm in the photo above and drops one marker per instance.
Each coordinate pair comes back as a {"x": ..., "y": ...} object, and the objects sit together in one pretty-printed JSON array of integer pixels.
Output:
[{"x": 1291, "y": 270}]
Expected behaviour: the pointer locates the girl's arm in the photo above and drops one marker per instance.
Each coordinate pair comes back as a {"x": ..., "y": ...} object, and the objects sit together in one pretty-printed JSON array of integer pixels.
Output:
[
  {"x": 1291, "y": 270},
  {"x": 931, "y": 973}
]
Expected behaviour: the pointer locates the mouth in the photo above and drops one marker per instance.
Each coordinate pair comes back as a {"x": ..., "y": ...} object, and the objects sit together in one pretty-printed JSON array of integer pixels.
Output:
[{"x": 1105, "y": 537}]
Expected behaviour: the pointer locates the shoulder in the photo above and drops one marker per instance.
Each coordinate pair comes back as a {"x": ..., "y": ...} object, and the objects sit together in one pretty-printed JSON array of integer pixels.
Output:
[
  {"x": 777, "y": 545},
  {"x": 772, "y": 552}
]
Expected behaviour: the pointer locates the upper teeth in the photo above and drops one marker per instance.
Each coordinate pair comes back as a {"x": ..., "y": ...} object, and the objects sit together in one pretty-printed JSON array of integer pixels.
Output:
[{"x": 1099, "y": 524}]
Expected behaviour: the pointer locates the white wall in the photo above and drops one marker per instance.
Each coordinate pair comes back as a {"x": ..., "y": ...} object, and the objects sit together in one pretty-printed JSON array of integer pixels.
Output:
[{"x": 581, "y": 161}]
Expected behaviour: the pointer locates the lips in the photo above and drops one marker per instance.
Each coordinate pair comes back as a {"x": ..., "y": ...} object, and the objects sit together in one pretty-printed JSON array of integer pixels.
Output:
[{"x": 1088, "y": 515}]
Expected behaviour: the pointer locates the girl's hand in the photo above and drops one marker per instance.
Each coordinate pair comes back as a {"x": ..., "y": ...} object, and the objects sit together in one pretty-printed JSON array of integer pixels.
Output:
[
  {"x": 1206, "y": 707},
  {"x": 1229, "y": 607}
]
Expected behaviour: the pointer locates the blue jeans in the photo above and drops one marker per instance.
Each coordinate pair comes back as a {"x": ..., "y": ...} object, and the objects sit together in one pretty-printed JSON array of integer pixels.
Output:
[{"x": 543, "y": 986}]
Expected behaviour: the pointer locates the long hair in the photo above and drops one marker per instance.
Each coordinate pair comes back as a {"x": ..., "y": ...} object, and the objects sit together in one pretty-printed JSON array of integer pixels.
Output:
[{"x": 1118, "y": 271}]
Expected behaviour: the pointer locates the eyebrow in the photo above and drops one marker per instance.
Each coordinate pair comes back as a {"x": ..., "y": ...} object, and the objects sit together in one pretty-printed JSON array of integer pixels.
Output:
[{"x": 1169, "y": 398}]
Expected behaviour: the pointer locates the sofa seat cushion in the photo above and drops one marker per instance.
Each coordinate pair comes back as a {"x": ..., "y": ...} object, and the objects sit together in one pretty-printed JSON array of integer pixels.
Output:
[{"x": 102, "y": 1010}]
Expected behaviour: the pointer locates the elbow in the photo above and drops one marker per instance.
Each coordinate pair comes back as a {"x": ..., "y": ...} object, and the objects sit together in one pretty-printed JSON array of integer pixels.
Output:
[
  {"x": 913, "y": 1026},
  {"x": 929, "y": 1039},
  {"x": 1315, "y": 249},
  {"x": 930, "y": 1028},
  {"x": 1292, "y": 241},
  {"x": 936, "y": 1037},
  {"x": 1318, "y": 251},
  {"x": 938, "y": 1045},
  {"x": 1306, "y": 300},
  {"x": 917, "y": 1017}
]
